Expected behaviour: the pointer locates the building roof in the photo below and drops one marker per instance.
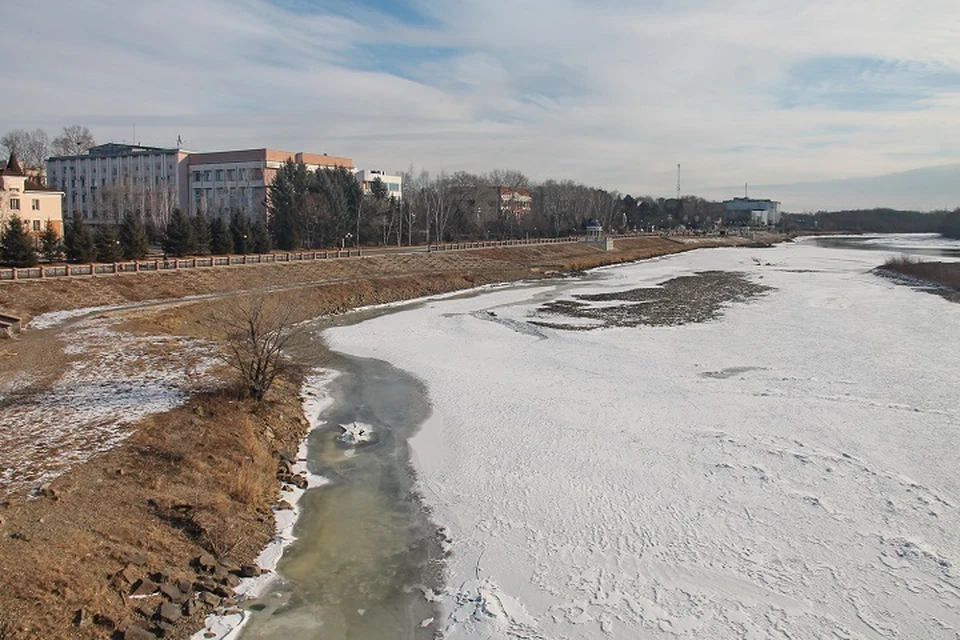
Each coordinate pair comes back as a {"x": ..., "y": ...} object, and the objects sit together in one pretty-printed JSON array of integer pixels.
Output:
[{"x": 13, "y": 168}]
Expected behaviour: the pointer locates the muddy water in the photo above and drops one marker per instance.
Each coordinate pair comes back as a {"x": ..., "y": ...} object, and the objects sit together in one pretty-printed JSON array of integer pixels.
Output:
[{"x": 366, "y": 552}]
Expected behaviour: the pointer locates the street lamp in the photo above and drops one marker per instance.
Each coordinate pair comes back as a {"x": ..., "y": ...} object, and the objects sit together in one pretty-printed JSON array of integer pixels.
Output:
[{"x": 343, "y": 240}]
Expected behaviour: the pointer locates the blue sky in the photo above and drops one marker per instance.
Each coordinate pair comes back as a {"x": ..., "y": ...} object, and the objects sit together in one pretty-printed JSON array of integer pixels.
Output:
[{"x": 612, "y": 93}]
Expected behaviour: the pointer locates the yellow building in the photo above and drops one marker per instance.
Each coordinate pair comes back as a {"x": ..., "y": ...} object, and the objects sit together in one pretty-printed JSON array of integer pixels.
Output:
[{"x": 34, "y": 203}]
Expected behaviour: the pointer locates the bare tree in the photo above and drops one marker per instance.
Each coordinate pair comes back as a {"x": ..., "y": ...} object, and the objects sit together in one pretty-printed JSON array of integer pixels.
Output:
[
  {"x": 257, "y": 334},
  {"x": 32, "y": 147},
  {"x": 74, "y": 140}
]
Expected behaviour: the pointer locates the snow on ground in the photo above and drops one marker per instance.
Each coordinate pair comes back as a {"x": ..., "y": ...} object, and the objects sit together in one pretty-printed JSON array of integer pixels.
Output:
[
  {"x": 785, "y": 471},
  {"x": 115, "y": 379}
]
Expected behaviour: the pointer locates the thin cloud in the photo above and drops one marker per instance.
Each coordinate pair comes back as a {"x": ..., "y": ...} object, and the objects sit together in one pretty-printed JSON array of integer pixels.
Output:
[{"x": 612, "y": 93}]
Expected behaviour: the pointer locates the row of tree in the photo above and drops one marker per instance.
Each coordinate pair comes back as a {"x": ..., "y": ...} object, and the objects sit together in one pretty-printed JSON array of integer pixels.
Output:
[
  {"x": 129, "y": 240},
  {"x": 328, "y": 207},
  {"x": 34, "y": 147}
]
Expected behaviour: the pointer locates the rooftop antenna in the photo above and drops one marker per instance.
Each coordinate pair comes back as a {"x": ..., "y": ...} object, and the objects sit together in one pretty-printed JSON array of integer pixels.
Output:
[
  {"x": 134, "y": 133},
  {"x": 678, "y": 181},
  {"x": 745, "y": 190}
]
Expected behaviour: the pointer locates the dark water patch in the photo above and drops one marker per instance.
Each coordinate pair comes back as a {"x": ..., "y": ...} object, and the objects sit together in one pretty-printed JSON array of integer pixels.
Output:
[
  {"x": 729, "y": 372},
  {"x": 682, "y": 300},
  {"x": 367, "y": 551}
]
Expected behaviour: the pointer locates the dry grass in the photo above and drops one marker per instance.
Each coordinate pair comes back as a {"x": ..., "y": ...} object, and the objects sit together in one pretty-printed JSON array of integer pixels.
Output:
[{"x": 943, "y": 273}]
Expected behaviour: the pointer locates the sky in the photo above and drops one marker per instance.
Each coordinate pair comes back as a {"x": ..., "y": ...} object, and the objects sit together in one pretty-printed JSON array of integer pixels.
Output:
[{"x": 611, "y": 93}]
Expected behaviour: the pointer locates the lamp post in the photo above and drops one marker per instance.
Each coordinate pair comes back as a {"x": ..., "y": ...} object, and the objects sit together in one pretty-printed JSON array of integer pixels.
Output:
[{"x": 343, "y": 241}]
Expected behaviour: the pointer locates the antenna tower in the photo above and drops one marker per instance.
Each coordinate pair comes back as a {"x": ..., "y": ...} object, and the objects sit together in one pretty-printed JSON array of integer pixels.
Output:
[{"x": 678, "y": 181}]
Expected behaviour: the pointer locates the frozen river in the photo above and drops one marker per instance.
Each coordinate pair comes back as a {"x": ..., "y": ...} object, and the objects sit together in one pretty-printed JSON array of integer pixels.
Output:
[{"x": 787, "y": 469}]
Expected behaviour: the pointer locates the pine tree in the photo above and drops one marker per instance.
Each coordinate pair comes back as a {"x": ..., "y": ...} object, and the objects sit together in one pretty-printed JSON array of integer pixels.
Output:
[
  {"x": 221, "y": 241},
  {"x": 78, "y": 241},
  {"x": 133, "y": 237},
  {"x": 108, "y": 246},
  {"x": 261, "y": 238},
  {"x": 16, "y": 245},
  {"x": 241, "y": 233},
  {"x": 179, "y": 239},
  {"x": 201, "y": 233},
  {"x": 50, "y": 244}
]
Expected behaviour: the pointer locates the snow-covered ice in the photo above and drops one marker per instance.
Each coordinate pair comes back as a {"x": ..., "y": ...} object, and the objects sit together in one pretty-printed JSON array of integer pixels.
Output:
[{"x": 786, "y": 470}]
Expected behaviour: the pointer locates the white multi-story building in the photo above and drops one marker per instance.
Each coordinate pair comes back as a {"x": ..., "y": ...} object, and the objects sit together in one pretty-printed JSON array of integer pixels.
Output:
[
  {"x": 221, "y": 182},
  {"x": 111, "y": 179},
  {"x": 394, "y": 184},
  {"x": 760, "y": 212}
]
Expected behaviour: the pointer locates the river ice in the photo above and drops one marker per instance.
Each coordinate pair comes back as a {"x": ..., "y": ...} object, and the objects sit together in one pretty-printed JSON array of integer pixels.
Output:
[{"x": 787, "y": 470}]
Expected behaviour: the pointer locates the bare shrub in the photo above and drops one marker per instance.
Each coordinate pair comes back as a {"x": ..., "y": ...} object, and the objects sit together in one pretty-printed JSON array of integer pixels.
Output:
[
  {"x": 257, "y": 334},
  {"x": 246, "y": 485}
]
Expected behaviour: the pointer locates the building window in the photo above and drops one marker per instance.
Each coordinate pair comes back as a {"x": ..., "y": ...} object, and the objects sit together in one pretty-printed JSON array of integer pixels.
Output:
[
  {"x": 35, "y": 204},
  {"x": 243, "y": 174},
  {"x": 256, "y": 174},
  {"x": 207, "y": 176},
  {"x": 231, "y": 174},
  {"x": 36, "y": 225},
  {"x": 197, "y": 176},
  {"x": 15, "y": 204},
  {"x": 219, "y": 175}
]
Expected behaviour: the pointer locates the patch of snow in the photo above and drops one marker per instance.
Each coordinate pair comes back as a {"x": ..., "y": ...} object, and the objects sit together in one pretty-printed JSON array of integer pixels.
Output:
[
  {"x": 356, "y": 434},
  {"x": 116, "y": 379}
]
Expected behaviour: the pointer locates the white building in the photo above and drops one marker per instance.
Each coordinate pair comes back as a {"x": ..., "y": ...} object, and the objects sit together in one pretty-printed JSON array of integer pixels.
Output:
[
  {"x": 221, "y": 182},
  {"x": 393, "y": 183},
  {"x": 111, "y": 179},
  {"x": 760, "y": 212}
]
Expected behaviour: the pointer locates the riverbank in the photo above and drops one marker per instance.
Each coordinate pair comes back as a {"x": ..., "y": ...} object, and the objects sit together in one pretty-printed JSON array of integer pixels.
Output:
[
  {"x": 200, "y": 478},
  {"x": 942, "y": 278}
]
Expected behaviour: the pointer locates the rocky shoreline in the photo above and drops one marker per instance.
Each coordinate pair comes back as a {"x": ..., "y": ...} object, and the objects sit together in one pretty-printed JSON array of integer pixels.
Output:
[{"x": 144, "y": 540}]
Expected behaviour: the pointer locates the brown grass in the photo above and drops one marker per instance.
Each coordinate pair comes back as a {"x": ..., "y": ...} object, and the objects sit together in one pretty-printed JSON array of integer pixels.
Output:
[{"x": 943, "y": 273}]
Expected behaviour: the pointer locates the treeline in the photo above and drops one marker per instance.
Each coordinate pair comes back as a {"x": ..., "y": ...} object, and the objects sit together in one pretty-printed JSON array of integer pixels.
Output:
[
  {"x": 328, "y": 207},
  {"x": 868, "y": 221}
]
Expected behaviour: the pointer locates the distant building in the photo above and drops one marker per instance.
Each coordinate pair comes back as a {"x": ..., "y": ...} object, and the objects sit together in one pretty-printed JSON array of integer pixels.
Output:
[
  {"x": 32, "y": 202},
  {"x": 516, "y": 201},
  {"x": 111, "y": 179},
  {"x": 752, "y": 210},
  {"x": 224, "y": 181},
  {"x": 394, "y": 184}
]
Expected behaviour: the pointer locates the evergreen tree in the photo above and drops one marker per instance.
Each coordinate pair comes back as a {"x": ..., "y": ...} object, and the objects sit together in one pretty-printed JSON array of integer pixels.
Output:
[
  {"x": 241, "y": 233},
  {"x": 179, "y": 239},
  {"x": 286, "y": 198},
  {"x": 78, "y": 241},
  {"x": 201, "y": 233},
  {"x": 50, "y": 243},
  {"x": 133, "y": 237},
  {"x": 16, "y": 245},
  {"x": 261, "y": 238},
  {"x": 221, "y": 240},
  {"x": 108, "y": 245}
]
